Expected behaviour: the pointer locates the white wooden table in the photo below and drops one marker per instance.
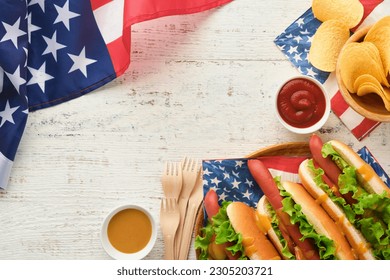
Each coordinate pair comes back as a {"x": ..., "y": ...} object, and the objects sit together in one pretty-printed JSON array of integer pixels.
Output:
[{"x": 200, "y": 85}]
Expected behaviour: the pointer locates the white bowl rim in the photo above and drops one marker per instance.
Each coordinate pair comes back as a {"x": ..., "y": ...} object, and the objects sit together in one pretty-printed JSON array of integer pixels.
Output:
[
  {"x": 111, "y": 250},
  {"x": 317, "y": 125}
]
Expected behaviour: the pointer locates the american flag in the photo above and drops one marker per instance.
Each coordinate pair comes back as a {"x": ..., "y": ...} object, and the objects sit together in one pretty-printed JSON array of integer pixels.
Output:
[
  {"x": 52, "y": 51},
  {"x": 295, "y": 43},
  {"x": 232, "y": 181}
]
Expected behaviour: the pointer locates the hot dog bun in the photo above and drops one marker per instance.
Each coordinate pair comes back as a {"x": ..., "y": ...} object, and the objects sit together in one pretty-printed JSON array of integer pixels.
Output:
[
  {"x": 266, "y": 218},
  {"x": 359, "y": 244},
  {"x": 319, "y": 219},
  {"x": 366, "y": 175},
  {"x": 244, "y": 221}
]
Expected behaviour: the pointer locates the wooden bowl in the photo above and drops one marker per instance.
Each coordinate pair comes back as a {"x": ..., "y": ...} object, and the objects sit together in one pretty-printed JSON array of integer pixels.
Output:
[
  {"x": 371, "y": 105},
  {"x": 285, "y": 149}
]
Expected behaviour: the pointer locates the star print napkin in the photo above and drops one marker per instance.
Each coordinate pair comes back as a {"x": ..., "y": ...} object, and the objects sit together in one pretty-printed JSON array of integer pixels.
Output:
[
  {"x": 232, "y": 181},
  {"x": 295, "y": 43},
  {"x": 53, "y": 51}
]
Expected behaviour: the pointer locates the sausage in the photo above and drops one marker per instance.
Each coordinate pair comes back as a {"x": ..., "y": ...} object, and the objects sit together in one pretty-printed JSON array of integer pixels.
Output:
[
  {"x": 211, "y": 203},
  {"x": 289, "y": 231},
  {"x": 329, "y": 167},
  {"x": 266, "y": 182}
]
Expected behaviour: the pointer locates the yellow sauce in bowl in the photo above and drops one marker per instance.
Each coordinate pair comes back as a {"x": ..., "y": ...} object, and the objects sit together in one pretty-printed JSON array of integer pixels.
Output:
[{"x": 129, "y": 230}]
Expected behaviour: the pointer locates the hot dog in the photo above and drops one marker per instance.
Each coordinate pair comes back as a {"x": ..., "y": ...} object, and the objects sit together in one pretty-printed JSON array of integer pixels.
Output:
[
  {"x": 333, "y": 171},
  {"x": 289, "y": 231},
  {"x": 233, "y": 232},
  {"x": 217, "y": 250},
  {"x": 314, "y": 224},
  {"x": 335, "y": 206},
  {"x": 364, "y": 218}
]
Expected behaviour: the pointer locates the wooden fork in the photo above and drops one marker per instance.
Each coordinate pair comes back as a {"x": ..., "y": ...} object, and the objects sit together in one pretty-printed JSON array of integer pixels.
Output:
[
  {"x": 190, "y": 172},
  {"x": 172, "y": 179},
  {"x": 169, "y": 221}
]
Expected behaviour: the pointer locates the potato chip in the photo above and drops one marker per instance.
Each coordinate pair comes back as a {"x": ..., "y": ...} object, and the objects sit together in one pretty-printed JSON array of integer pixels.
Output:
[
  {"x": 364, "y": 79},
  {"x": 387, "y": 92},
  {"x": 357, "y": 59},
  {"x": 368, "y": 84},
  {"x": 379, "y": 35},
  {"x": 368, "y": 88},
  {"x": 327, "y": 44},
  {"x": 367, "y": 79},
  {"x": 348, "y": 11},
  {"x": 373, "y": 51}
]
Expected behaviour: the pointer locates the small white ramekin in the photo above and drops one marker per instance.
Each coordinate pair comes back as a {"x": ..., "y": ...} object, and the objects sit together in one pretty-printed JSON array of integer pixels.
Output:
[
  {"x": 112, "y": 251},
  {"x": 318, "y": 124}
]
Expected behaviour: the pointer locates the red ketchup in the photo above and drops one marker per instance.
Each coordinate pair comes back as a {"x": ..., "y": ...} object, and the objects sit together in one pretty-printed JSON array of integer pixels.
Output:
[{"x": 301, "y": 103}]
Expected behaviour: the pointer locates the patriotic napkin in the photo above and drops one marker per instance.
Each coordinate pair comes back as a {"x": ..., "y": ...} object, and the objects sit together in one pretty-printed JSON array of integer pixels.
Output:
[
  {"x": 295, "y": 43},
  {"x": 52, "y": 51},
  {"x": 232, "y": 181}
]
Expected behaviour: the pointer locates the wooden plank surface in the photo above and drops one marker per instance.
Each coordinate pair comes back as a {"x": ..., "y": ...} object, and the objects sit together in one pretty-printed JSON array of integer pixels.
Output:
[{"x": 199, "y": 85}]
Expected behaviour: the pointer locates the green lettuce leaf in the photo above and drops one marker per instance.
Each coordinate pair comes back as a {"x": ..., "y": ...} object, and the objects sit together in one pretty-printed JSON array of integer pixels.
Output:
[
  {"x": 275, "y": 226},
  {"x": 202, "y": 241},
  {"x": 328, "y": 150},
  {"x": 224, "y": 233},
  {"x": 326, "y": 246},
  {"x": 340, "y": 201}
]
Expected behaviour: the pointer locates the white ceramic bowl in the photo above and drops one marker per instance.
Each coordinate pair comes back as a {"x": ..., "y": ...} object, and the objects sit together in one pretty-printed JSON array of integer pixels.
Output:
[
  {"x": 112, "y": 251},
  {"x": 316, "y": 126}
]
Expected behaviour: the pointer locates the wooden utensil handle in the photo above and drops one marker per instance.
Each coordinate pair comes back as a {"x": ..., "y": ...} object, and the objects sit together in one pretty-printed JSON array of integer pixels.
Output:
[
  {"x": 187, "y": 232},
  {"x": 169, "y": 247},
  {"x": 179, "y": 233}
]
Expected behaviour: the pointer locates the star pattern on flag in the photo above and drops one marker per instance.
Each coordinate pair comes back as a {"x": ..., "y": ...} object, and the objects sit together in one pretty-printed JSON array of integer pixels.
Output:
[
  {"x": 64, "y": 14},
  {"x": 12, "y": 32},
  {"x": 76, "y": 62},
  {"x": 6, "y": 114},
  {"x": 80, "y": 62},
  {"x": 52, "y": 45},
  {"x": 295, "y": 43},
  {"x": 16, "y": 79},
  {"x": 45, "y": 57},
  {"x": 39, "y": 76},
  {"x": 231, "y": 180},
  {"x": 13, "y": 62}
]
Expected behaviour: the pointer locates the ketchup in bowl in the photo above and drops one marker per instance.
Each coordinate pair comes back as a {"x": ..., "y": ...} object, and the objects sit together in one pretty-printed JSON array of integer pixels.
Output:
[{"x": 302, "y": 105}]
